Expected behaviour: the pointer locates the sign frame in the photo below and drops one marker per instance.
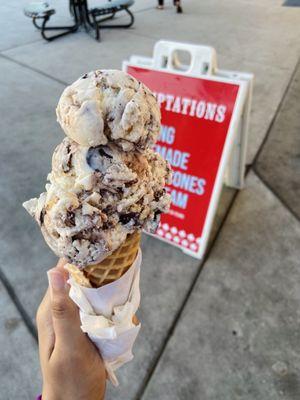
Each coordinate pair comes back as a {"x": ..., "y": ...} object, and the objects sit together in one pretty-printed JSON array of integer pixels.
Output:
[{"x": 203, "y": 65}]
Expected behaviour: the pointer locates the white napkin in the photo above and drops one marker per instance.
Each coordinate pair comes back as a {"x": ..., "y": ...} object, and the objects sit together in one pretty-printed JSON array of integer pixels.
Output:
[{"x": 107, "y": 313}]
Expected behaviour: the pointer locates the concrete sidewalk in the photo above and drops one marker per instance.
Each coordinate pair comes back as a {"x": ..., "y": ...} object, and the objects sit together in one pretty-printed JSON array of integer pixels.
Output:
[{"x": 226, "y": 328}]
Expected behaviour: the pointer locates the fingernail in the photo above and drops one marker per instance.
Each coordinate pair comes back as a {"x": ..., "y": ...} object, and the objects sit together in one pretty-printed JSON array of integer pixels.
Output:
[{"x": 56, "y": 281}]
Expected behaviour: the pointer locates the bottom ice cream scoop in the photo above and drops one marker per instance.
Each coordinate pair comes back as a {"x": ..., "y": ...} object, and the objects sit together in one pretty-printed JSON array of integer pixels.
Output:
[{"x": 96, "y": 197}]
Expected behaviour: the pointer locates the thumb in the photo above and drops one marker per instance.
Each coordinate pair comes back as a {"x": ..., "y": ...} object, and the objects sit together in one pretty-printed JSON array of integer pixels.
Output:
[{"x": 65, "y": 315}]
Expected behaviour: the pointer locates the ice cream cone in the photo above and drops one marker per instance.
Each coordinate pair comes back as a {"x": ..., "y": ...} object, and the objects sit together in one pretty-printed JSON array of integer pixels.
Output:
[{"x": 111, "y": 268}]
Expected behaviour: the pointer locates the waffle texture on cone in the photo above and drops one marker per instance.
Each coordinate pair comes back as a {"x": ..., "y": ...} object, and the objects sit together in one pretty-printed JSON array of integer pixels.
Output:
[
  {"x": 78, "y": 275},
  {"x": 111, "y": 268}
]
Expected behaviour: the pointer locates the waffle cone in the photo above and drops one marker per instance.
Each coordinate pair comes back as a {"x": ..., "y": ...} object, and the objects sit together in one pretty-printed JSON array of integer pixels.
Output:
[{"x": 111, "y": 268}]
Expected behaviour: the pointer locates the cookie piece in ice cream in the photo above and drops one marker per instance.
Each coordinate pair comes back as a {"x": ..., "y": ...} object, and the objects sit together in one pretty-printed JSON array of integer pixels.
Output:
[
  {"x": 109, "y": 105},
  {"x": 98, "y": 195}
]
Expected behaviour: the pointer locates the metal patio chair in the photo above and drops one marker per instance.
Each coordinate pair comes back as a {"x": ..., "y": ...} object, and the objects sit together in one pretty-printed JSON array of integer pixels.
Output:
[
  {"x": 108, "y": 11},
  {"x": 42, "y": 11}
]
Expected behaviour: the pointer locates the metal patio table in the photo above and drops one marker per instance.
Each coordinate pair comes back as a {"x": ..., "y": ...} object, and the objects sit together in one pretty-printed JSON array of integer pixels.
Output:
[{"x": 91, "y": 19}]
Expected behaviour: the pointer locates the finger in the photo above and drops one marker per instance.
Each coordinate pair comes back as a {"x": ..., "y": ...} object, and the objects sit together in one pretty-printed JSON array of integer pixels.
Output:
[
  {"x": 65, "y": 314},
  {"x": 46, "y": 336},
  {"x": 60, "y": 265}
]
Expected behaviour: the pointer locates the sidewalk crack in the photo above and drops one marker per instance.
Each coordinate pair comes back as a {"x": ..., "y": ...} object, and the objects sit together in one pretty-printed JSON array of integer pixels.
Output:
[
  {"x": 21, "y": 64},
  {"x": 12, "y": 294}
]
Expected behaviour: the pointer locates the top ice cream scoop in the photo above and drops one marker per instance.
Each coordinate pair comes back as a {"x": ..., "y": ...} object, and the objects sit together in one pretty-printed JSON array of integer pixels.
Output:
[{"x": 109, "y": 106}]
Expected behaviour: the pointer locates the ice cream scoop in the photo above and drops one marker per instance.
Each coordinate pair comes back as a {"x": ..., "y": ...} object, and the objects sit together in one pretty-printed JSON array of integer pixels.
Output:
[
  {"x": 97, "y": 196},
  {"x": 109, "y": 106}
]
